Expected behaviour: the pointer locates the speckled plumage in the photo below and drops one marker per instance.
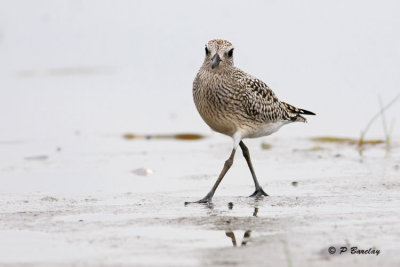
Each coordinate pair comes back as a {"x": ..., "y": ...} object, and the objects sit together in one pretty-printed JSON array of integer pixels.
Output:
[
  {"x": 237, "y": 104},
  {"x": 233, "y": 102}
]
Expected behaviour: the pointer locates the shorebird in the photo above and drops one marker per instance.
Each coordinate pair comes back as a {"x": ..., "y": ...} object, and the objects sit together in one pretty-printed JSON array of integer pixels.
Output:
[{"x": 238, "y": 105}]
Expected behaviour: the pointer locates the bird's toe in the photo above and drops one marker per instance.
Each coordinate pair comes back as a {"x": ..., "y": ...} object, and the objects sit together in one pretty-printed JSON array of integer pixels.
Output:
[
  {"x": 206, "y": 200},
  {"x": 259, "y": 193}
]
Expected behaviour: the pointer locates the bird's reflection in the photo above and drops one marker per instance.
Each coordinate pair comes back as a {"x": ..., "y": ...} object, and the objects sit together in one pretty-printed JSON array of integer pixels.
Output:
[
  {"x": 232, "y": 236},
  {"x": 255, "y": 212},
  {"x": 246, "y": 235},
  {"x": 245, "y": 239}
]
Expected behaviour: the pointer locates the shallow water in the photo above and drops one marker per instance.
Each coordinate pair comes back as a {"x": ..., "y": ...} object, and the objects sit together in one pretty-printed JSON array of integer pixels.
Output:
[
  {"x": 86, "y": 206},
  {"x": 77, "y": 77}
]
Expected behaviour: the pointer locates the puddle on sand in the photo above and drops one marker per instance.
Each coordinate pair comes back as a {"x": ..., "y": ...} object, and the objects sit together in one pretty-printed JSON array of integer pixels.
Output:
[
  {"x": 167, "y": 226},
  {"x": 180, "y": 237},
  {"x": 144, "y": 220}
]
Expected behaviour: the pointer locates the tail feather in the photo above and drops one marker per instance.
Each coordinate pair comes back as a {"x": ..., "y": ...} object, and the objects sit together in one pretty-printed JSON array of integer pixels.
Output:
[
  {"x": 295, "y": 110},
  {"x": 306, "y": 112},
  {"x": 295, "y": 113},
  {"x": 298, "y": 117}
]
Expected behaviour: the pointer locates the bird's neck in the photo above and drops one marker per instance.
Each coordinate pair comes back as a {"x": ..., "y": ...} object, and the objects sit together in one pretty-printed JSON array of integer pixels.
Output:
[{"x": 225, "y": 71}]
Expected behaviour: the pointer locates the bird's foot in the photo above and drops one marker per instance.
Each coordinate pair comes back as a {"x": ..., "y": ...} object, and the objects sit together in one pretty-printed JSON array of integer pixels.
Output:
[
  {"x": 205, "y": 200},
  {"x": 259, "y": 193}
]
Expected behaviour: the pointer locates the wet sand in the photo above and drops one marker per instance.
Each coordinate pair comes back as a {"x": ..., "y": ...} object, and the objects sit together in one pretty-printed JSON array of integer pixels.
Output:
[
  {"x": 86, "y": 203},
  {"x": 78, "y": 75}
]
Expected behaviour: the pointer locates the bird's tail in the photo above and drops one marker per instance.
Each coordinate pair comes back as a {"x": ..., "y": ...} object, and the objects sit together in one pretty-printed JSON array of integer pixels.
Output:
[
  {"x": 298, "y": 117},
  {"x": 297, "y": 112}
]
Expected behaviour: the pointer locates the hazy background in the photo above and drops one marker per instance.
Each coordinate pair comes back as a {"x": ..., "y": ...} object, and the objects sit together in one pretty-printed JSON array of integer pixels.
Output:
[
  {"x": 108, "y": 67},
  {"x": 76, "y": 75}
]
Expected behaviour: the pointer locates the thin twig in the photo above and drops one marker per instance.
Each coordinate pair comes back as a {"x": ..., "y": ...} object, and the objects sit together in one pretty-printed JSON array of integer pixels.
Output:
[
  {"x": 385, "y": 128},
  {"x": 287, "y": 253},
  {"x": 361, "y": 140}
]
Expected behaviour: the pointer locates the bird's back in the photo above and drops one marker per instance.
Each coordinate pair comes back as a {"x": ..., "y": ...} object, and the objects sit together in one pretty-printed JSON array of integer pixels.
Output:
[
  {"x": 233, "y": 100},
  {"x": 261, "y": 103}
]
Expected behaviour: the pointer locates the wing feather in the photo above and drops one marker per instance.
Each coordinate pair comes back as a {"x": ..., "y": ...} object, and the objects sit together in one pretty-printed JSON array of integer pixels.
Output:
[
  {"x": 262, "y": 105},
  {"x": 260, "y": 102}
]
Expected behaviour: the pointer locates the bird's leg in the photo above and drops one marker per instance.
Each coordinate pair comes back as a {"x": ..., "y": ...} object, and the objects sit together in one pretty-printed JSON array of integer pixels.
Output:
[
  {"x": 246, "y": 237},
  {"x": 259, "y": 191},
  {"x": 232, "y": 236},
  {"x": 227, "y": 165}
]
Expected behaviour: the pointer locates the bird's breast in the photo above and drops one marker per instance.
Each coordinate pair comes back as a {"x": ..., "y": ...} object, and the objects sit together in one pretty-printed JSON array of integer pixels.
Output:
[{"x": 214, "y": 102}]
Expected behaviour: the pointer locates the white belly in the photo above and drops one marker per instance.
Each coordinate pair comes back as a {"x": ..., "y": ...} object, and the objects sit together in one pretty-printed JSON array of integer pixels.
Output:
[{"x": 264, "y": 129}]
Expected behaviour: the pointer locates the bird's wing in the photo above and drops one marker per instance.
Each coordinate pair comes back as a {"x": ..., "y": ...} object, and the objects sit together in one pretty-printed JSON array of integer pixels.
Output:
[{"x": 261, "y": 104}]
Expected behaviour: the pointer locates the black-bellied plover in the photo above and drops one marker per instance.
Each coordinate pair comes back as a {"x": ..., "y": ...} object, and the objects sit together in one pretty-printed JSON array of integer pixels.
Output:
[{"x": 237, "y": 104}]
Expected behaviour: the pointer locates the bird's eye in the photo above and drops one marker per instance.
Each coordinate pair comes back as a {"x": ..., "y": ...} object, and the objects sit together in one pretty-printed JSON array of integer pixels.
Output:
[
  {"x": 230, "y": 53},
  {"x": 207, "y": 51}
]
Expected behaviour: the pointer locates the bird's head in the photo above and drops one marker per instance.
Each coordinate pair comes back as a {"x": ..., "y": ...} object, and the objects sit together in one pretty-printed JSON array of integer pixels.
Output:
[{"x": 219, "y": 55}]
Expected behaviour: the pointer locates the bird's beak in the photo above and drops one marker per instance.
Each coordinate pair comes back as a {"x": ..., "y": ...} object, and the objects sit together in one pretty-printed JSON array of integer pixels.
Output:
[{"x": 215, "y": 61}]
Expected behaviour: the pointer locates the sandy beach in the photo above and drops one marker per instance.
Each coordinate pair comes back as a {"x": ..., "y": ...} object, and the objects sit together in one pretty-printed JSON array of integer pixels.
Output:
[
  {"x": 88, "y": 204},
  {"x": 84, "y": 83}
]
